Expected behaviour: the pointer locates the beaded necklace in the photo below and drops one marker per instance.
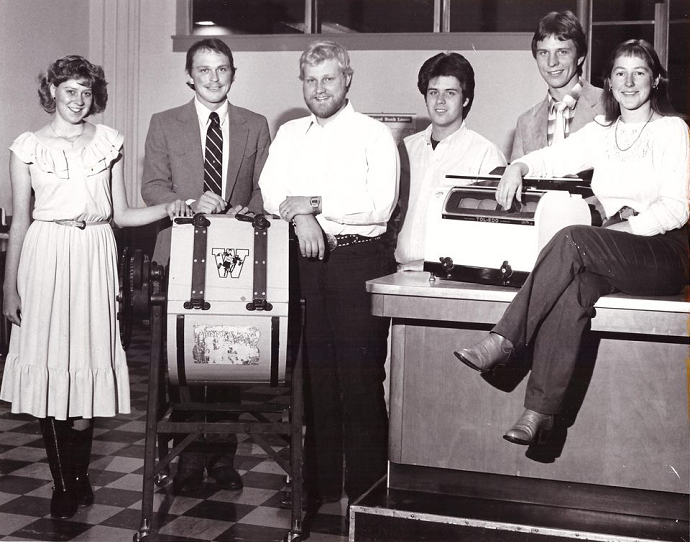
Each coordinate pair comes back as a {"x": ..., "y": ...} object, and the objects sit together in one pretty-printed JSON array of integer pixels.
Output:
[{"x": 615, "y": 133}]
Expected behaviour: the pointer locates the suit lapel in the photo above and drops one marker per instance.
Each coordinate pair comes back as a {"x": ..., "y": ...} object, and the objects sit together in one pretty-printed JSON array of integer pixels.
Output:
[
  {"x": 188, "y": 125},
  {"x": 238, "y": 143},
  {"x": 589, "y": 96},
  {"x": 539, "y": 129}
]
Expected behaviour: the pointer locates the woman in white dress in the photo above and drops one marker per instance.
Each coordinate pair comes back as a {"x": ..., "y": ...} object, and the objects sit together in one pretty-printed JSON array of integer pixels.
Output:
[
  {"x": 639, "y": 153},
  {"x": 65, "y": 364}
]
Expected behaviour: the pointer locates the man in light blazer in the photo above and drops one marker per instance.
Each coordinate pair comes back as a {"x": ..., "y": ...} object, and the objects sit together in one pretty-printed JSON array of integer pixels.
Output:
[
  {"x": 559, "y": 46},
  {"x": 174, "y": 159},
  {"x": 174, "y": 166}
]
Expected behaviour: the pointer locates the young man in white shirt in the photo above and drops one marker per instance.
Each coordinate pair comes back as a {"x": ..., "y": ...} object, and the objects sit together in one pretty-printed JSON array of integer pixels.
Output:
[{"x": 447, "y": 146}]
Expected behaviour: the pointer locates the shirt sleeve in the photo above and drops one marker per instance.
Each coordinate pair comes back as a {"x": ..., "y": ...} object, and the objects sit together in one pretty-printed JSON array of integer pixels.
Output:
[
  {"x": 566, "y": 157},
  {"x": 273, "y": 181},
  {"x": 375, "y": 199},
  {"x": 670, "y": 210},
  {"x": 493, "y": 158}
]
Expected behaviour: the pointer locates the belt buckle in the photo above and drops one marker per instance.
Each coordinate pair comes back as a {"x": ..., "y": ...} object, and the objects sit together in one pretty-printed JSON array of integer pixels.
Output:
[
  {"x": 332, "y": 241},
  {"x": 81, "y": 224}
]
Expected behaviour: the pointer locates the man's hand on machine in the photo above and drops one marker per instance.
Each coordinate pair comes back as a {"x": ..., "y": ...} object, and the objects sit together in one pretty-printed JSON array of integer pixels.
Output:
[
  {"x": 209, "y": 203},
  {"x": 237, "y": 210},
  {"x": 510, "y": 185},
  {"x": 310, "y": 235}
]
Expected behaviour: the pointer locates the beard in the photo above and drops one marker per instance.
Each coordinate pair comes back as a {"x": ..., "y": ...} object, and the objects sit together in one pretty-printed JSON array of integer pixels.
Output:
[{"x": 327, "y": 108}]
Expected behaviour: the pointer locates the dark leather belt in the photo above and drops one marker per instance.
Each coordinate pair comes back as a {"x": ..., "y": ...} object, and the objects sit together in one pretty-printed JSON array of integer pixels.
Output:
[{"x": 348, "y": 239}]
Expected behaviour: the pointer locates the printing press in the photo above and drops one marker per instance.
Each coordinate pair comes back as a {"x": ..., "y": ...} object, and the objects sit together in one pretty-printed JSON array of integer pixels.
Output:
[{"x": 470, "y": 238}]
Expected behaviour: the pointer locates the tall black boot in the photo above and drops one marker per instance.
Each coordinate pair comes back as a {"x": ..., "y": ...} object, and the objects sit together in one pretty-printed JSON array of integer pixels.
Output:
[
  {"x": 81, "y": 455},
  {"x": 56, "y": 437}
]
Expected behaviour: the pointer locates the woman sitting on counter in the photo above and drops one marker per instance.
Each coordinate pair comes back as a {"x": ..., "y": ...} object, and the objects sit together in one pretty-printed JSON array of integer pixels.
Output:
[{"x": 639, "y": 153}]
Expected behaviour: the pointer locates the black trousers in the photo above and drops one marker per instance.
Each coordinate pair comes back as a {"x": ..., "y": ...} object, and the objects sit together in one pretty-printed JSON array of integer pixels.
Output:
[
  {"x": 209, "y": 450},
  {"x": 345, "y": 349},
  {"x": 577, "y": 267}
]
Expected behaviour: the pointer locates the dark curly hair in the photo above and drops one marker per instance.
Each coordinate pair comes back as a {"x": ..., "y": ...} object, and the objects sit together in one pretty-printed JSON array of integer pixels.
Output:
[
  {"x": 81, "y": 70},
  {"x": 449, "y": 65}
]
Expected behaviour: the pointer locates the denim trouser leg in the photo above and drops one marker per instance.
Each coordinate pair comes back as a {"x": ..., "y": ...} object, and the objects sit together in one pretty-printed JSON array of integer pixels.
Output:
[{"x": 579, "y": 265}]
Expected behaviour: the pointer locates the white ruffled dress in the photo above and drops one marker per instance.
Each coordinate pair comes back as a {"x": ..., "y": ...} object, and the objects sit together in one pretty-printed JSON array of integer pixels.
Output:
[{"x": 66, "y": 359}]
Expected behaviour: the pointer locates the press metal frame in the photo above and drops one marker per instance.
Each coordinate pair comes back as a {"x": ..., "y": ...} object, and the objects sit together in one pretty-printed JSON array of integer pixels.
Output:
[{"x": 160, "y": 427}]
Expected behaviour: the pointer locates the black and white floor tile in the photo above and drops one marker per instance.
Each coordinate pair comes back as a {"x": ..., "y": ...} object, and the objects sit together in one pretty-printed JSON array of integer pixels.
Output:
[{"x": 251, "y": 515}]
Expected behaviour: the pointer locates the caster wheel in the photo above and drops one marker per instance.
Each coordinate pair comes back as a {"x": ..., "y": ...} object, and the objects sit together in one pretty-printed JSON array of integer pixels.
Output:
[
  {"x": 139, "y": 537},
  {"x": 162, "y": 480}
]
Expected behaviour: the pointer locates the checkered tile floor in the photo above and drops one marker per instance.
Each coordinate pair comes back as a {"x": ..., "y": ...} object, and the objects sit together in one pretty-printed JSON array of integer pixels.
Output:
[{"x": 250, "y": 515}]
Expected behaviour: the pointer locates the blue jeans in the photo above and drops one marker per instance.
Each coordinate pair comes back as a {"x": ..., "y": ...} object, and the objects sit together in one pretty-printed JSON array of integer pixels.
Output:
[{"x": 556, "y": 303}]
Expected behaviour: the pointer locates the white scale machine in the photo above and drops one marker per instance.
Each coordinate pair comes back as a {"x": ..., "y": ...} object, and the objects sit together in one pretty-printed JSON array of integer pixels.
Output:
[{"x": 472, "y": 239}]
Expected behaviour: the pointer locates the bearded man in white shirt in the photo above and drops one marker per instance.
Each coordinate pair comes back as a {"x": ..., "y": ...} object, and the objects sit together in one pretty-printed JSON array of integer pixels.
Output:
[
  {"x": 447, "y": 146},
  {"x": 334, "y": 175}
]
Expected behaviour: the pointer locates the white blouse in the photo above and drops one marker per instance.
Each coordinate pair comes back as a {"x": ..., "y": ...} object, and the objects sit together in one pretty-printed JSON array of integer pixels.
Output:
[{"x": 644, "y": 166}]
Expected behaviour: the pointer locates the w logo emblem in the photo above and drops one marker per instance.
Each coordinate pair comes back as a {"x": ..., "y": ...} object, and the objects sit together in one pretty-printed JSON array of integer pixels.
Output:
[{"x": 230, "y": 261}]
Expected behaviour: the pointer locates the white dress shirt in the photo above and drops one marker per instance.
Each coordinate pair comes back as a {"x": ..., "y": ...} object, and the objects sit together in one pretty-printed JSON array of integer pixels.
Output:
[
  {"x": 203, "y": 113},
  {"x": 463, "y": 153},
  {"x": 351, "y": 162}
]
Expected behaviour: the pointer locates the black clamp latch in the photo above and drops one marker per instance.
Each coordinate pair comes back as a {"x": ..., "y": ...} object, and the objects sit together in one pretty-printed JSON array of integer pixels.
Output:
[
  {"x": 506, "y": 272},
  {"x": 259, "y": 222},
  {"x": 261, "y": 225},
  {"x": 201, "y": 224}
]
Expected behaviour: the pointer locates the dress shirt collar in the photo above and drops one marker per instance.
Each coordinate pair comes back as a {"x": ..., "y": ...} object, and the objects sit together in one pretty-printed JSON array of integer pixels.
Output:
[
  {"x": 204, "y": 112},
  {"x": 340, "y": 117},
  {"x": 450, "y": 140}
]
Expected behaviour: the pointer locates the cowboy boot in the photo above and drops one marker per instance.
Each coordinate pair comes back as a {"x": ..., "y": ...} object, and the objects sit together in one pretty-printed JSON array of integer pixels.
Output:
[
  {"x": 493, "y": 350},
  {"x": 56, "y": 437},
  {"x": 532, "y": 428}
]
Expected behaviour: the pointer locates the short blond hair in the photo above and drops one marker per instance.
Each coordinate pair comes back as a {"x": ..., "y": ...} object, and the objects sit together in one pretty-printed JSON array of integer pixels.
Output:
[{"x": 321, "y": 50}]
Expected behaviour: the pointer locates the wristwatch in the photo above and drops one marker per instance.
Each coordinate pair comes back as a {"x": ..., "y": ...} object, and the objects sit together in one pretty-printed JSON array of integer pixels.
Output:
[{"x": 315, "y": 202}]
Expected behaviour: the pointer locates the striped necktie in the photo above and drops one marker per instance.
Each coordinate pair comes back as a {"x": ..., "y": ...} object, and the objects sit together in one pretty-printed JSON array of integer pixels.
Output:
[{"x": 213, "y": 157}]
